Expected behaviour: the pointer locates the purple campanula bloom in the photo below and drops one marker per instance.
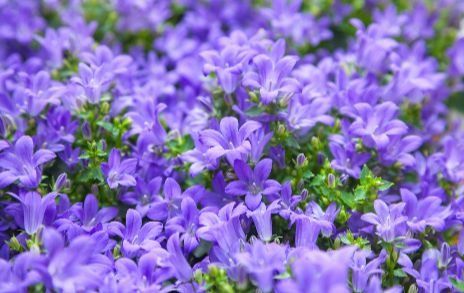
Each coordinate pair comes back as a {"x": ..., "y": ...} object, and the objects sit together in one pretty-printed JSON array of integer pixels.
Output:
[
  {"x": 75, "y": 267},
  {"x": 34, "y": 208},
  {"x": 386, "y": 219},
  {"x": 375, "y": 125},
  {"x": 119, "y": 172},
  {"x": 253, "y": 183},
  {"x": 186, "y": 224},
  {"x": 94, "y": 81},
  {"x": 288, "y": 202},
  {"x": 346, "y": 159},
  {"x": 305, "y": 116},
  {"x": 230, "y": 141},
  {"x": 424, "y": 212},
  {"x": 19, "y": 276},
  {"x": 318, "y": 271},
  {"x": 90, "y": 216},
  {"x": 136, "y": 238},
  {"x": 199, "y": 158},
  {"x": 177, "y": 258},
  {"x": 223, "y": 227},
  {"x": 262, "y": 219},
  {"x": 144, "y": 194},
  {"x": 271, "y": 77},
  {"x": 22, "y": 164},
  {"x": 456, "y": 54},
  {"x": 164, "y": 207},
  {"x": 263, "y": 261},
  {"x": 227, "y": 64},
  {"x": 147, "y": 275},
  {"x": 363, "y": 271},
  {"x": 399, "y": 150}
]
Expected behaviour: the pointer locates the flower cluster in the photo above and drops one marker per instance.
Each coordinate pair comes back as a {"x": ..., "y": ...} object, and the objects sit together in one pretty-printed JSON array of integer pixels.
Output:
[{"x": 231, "y": 146}]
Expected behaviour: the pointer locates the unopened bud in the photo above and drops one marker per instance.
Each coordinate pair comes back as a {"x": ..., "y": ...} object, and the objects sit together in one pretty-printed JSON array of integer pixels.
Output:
[
  {"x": 86, "y": 131},
  {"x": 331, "y": 180},
  {"x": 304, "y": 194},
  {"x": 300, "y": 160},
  {"x": 60, "y": 182}
]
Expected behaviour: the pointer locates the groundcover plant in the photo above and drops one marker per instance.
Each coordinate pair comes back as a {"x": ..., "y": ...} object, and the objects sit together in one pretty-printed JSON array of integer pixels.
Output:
[{"x": 231, "y": 146}]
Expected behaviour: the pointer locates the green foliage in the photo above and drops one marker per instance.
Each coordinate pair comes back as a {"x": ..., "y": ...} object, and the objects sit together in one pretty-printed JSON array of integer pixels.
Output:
[{"x": 216, "y": 280}]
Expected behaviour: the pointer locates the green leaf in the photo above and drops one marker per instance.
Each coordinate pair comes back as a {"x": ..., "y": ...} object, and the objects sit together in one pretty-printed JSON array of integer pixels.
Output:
[{"x": 458, "y": 284}]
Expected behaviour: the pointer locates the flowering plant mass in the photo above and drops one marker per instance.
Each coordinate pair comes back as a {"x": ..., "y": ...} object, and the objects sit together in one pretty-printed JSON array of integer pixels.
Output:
[{"x": 231, "y": 146}]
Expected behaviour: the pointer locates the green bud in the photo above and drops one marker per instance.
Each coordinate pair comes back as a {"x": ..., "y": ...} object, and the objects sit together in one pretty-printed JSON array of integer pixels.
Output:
[{"x": 15, "y": 245}]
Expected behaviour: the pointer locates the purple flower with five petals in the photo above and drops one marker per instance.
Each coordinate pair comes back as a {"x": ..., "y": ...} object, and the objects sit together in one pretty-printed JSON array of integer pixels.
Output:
[
  {"x": 375, "y": 125},
  {"x": 253, "y": 183},
  {"x": 22, "y": 164},
  {"x": 230, "y": 141},
  {"x": 119, "y": 172}
]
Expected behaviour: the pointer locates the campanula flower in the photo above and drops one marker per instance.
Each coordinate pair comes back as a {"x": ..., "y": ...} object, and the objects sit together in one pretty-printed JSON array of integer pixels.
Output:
[
  {"x": 230, "y": 141},
  {"x": 272, "y": 78},
  {"x": 119, "y": 172},
  {"x": 424, "y": 212},
  {"x": 22, "y": 164},
  {"x": 263, "y": 262},
  {"x": 386, "y": 219},
  {"x": 253, "y": 183},
  {"x": 136, "y": 238},
  {"x": 375, "y": 125}
]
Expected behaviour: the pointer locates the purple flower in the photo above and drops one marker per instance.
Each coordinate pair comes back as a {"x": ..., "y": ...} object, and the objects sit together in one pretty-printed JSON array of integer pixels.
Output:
[
  {"x": 263, "y": 262},
  {"x": 318, "y": 271},
  {"x": 119, "y": 172},
  {"x": 230, "y": 140},
  {"x": 456, "y": 55},
  {"x": 304, "y": 116},
  {"x": 91, "y": 216},
  {"x": 165, "y": 207},
  {"x": 223, "y": 227},
  {"x": 22, "y": 164},
  {"x": 77, "y": 267},
  {"x": 263, "y": 221},
  {"x": 93, "y": 80},
  {"x": 346, "y": 159},
  {"x": 271, "y": 77},
  {"x": 144, "y": 194},
  {"x": 424, "y": 212},
  {"x": 363, "y": 271},
  {"x": 186, "y": 224},
  {"x": 253, "y": 183},
  {"x": 399, "y": 150},
  {"x": 376, "y": 124},
  {"x": 387, "y": 219},
  {"x": 227, "y": 64},
  {"x": 178, "y": 261},
  {"x": 34, "y": 207},
  {"x": 137, "y": 238}
]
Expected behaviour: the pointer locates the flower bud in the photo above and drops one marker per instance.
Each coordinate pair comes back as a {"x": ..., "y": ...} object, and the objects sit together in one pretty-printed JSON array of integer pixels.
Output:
[
  {"x": 300, "y": 160},
  {"x": 60, "y": 182},
  {"x": 86, "y": 131},
  {"x": 331, "y": 180}
]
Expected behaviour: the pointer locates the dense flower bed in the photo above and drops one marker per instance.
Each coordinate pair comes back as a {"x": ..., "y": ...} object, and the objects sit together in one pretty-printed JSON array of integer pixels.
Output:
[{"x": 229, "y": 146}]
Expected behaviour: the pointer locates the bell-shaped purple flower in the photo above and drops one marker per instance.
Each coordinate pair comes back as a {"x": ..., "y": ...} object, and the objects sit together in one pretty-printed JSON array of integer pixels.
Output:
[
  {"x": 136, "y": 237},
  {"x": 386, "y": 219},
  {"x": 34, "y": 207},
  {"x": 230, "y": 141},
  {"x": 424, "y": 212},
  {"x": 375, "y": 125},
  {"x": 119, "y": 172},
  {"x": 253, "y": 183},
  {"x": 22, "y": 164},
  {"x": 272, "y": 77},
  {"x": 263, "y": 262}
]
